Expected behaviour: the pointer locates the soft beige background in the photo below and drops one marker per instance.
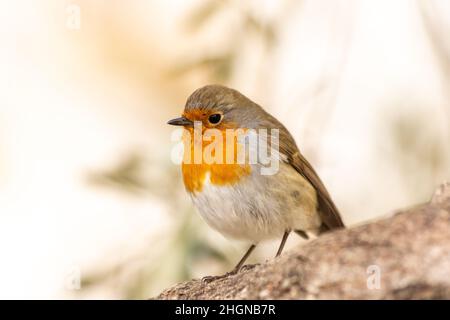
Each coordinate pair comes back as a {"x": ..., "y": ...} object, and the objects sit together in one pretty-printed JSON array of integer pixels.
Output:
[{"x": 90, "y": 203}]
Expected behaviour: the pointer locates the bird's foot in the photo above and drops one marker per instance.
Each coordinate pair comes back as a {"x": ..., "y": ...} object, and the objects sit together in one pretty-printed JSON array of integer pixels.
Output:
[
  {"x": 209, "y": 279},
  {"x": 246, "y": 267}
]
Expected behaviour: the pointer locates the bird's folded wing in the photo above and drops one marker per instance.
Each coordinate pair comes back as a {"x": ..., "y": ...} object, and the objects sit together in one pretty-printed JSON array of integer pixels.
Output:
[
  {"x": 290, "y": 154},
  {"x": 328, "y": 212}
]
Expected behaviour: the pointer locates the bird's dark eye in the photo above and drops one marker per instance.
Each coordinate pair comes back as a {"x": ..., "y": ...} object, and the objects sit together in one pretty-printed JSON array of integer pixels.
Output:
[{"x": 215, "y": 118}]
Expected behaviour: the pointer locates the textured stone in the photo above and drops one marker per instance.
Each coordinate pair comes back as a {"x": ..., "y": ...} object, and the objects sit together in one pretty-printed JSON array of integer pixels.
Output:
[{"x": 405, "y": 256}]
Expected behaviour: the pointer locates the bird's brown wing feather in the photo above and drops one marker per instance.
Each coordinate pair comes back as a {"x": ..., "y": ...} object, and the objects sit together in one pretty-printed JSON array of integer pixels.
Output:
[{"x": 328, "y": 212}]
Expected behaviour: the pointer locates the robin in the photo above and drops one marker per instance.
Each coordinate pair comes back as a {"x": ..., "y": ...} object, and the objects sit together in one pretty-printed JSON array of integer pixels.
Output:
[{"x": 237, "y": 199}]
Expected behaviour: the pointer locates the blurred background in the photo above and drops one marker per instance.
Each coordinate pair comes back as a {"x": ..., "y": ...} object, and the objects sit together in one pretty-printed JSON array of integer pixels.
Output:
[{"x": 91, "y": 205}]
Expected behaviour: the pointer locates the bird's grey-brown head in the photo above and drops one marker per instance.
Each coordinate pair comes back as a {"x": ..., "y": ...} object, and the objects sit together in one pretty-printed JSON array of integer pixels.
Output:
[{"x": 221, "y": 107}]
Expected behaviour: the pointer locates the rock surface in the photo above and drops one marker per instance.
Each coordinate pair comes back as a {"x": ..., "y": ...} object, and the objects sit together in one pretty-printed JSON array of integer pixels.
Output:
[{"x": 405, "y": 256}]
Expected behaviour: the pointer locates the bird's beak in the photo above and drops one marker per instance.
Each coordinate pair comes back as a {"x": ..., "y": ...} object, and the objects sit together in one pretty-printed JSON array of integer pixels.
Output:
[{"x": 181, "y": 121}]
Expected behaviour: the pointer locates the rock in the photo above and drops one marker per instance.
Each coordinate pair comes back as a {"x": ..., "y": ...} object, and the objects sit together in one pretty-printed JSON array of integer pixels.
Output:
[
  {"x": 442, "y": 194},
  {"x": 405, "y": 256}
]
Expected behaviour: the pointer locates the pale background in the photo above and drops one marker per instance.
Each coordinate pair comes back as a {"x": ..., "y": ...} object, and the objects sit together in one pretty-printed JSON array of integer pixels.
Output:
[{"x": 91, "y": 205}]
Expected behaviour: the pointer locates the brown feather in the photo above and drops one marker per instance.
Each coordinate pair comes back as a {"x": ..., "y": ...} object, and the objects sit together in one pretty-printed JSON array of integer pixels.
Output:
[{"x": 329, "y": 214}]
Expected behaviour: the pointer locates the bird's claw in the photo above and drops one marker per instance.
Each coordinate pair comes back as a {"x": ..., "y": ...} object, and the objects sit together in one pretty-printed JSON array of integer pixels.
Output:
[
  {"x": 209, "y": 279},
  {"x": 246, "y": 267}
]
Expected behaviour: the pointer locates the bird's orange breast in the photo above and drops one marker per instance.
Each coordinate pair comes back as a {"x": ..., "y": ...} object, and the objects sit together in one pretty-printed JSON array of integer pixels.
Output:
[{"x": 220, "y": 174}]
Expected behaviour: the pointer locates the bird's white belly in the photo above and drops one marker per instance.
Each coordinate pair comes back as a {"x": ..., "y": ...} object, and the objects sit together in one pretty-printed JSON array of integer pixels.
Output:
[{"x": 259, "y": 207}]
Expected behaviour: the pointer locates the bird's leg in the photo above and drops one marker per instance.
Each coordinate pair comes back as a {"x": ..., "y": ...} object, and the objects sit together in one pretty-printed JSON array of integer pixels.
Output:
[
  {"x": 302, "y": 234},
  {"x": 283, "y": 241},
  {"x": 243, "y": 259},
  {"x": 235, "y": 269}
]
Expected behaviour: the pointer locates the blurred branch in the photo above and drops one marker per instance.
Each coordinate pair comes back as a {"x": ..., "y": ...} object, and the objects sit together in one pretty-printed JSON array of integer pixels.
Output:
[
  {"x": 127, "y": 175},
  {"x": 221, "y": 65},
  {"x": 439, "y": 37},
  {"x": 322, "y": 94},
  {"x": 440, "y": 43},
  {"x": 198, "y": 18}
]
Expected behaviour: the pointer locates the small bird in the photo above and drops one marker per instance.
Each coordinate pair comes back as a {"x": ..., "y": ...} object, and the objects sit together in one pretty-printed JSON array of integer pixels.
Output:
[{"x": 236, "y": 199}]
